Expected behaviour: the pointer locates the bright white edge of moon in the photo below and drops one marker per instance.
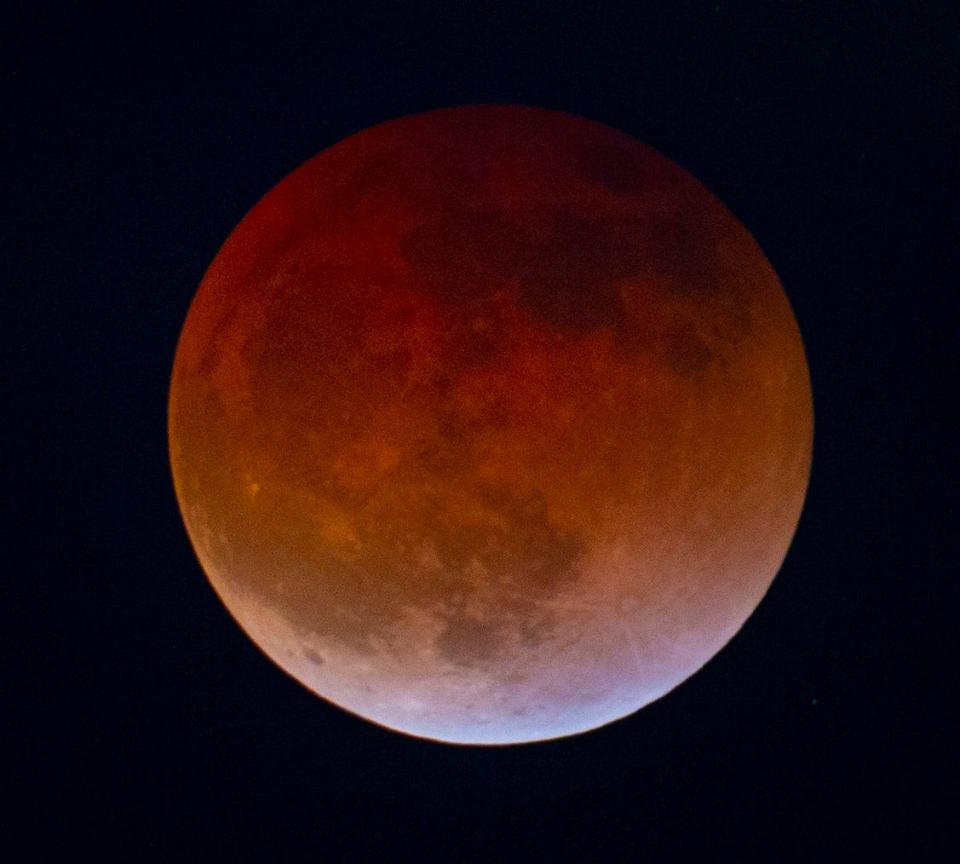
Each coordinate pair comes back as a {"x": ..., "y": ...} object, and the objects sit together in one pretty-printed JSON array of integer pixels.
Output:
[{"x": 593, "y": 674}]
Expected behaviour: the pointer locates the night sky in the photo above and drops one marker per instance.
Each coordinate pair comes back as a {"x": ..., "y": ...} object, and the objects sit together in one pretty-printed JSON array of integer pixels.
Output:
[{"x": 139, "y": 720}]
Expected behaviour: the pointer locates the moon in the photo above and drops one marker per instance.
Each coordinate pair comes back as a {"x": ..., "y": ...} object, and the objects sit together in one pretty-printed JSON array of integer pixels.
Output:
[{"x": 490, "y": 424}]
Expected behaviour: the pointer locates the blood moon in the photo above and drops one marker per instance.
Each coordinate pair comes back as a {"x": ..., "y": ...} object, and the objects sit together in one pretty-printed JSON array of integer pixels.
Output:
[{"x": 490, "y": 424}]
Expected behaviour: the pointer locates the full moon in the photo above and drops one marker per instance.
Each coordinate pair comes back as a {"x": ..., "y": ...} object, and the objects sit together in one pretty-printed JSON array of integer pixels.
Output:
[{"x": 490, "y": 424}]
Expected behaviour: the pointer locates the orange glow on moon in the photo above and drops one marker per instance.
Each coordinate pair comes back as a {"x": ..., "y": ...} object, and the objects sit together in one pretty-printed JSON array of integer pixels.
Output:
[{"x": 490, "y": 424}]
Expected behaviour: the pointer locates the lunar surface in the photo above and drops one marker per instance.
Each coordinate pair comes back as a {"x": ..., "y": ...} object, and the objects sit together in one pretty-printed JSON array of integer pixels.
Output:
[{"x": 490, "y": 424}]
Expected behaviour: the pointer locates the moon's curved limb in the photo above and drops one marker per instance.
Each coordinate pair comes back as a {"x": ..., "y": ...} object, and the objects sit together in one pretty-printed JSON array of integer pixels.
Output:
[{"x": 490, "y": 424}]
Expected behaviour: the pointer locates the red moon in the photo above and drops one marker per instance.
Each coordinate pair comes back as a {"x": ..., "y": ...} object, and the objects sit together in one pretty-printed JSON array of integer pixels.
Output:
[{"x": 490, "y": 424}]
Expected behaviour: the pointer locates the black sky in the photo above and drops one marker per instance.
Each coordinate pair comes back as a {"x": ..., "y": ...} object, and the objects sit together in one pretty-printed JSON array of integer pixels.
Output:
[{"x": 140, "y": 721}]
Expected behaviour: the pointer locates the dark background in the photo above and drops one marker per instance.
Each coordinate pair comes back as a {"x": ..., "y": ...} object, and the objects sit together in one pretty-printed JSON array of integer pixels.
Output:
[{"x": 138, "y": 719}]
